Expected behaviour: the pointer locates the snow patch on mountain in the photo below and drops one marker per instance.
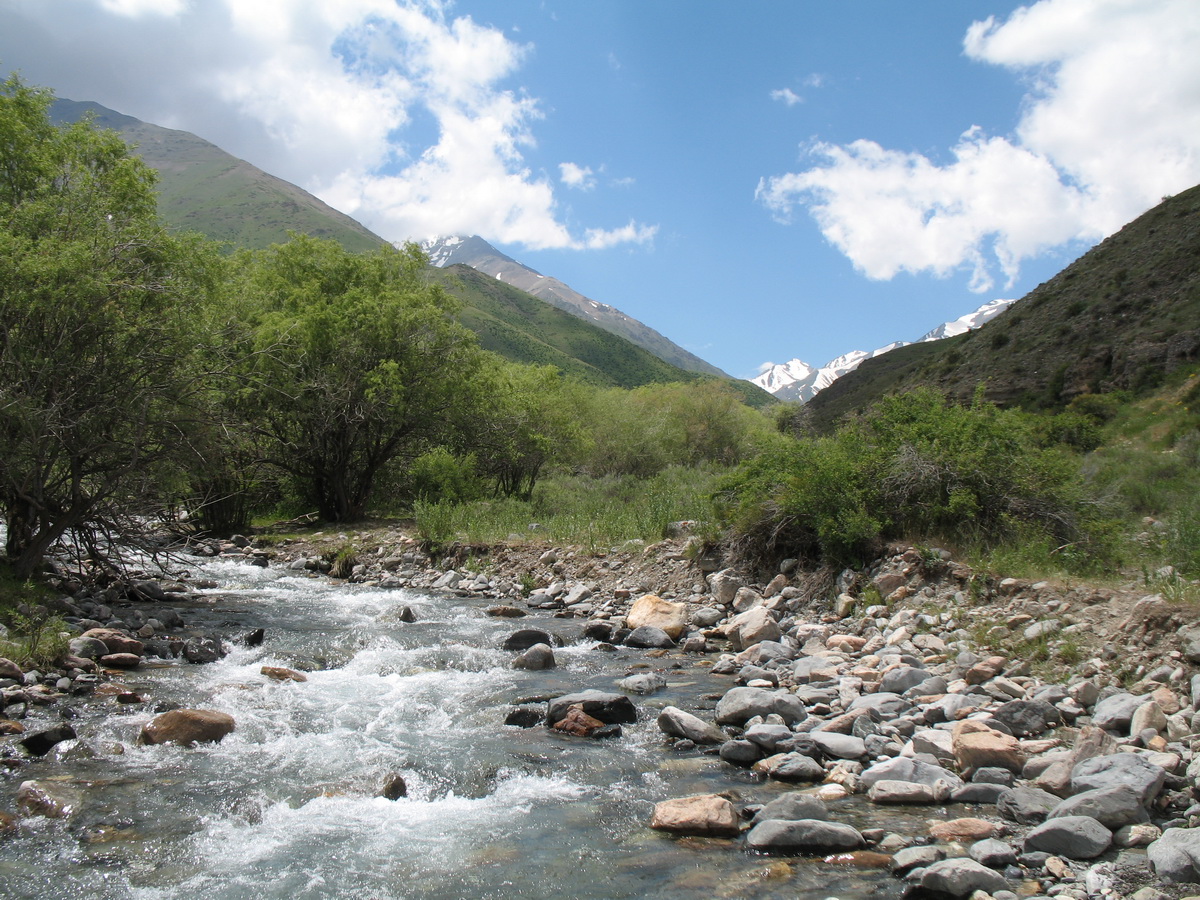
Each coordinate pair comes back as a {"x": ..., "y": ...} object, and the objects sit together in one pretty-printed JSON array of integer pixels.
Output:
[{"x": 797, "y": 380}]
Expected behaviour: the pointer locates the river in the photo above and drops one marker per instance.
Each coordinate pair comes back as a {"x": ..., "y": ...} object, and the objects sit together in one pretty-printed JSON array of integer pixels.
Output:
[{"x": 288, "y": 805}]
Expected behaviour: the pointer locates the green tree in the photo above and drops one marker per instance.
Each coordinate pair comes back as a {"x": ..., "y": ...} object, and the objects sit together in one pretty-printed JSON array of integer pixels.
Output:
[
  {"x": 97, "y": 324},
  {"x": 357, "y": 364}
]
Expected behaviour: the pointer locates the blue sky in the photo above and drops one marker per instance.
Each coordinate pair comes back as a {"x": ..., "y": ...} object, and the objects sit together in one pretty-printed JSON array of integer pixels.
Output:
[{"x": 758, "y": 180}]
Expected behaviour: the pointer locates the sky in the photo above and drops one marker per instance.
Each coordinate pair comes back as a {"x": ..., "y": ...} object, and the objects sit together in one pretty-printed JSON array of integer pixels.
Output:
[{"x": 759, "y": 180}]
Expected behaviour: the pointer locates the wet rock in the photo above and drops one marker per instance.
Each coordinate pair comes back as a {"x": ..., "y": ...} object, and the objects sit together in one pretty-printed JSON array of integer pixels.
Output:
[
  {"x": 253, "y": 638},
  {"x": 740, "y": 752},
  {"x": 524, "y": 716},
  {"x": 910, "y": 858},
  {"x": 536, "y": 658},
  {"x": 200, "y": 650},
  {"x": 649, "y": 637},
  {"x": 993, "y": 853},
  {"x": 115, "y": 641},
  {"x": 120, "y": 660},
  {"x": 86, "y": 647},
  {"x": 742, "y": 703},
  {"x": 967, "y": 828},
  {"x": 665, "y": 615},
  {"x": 708, "y": 815},
  {"x": 42, "y": 742},
  {"x": 958, "y": 878},
  {"x": 791, "y": 767},
  {"x": 49, "y": 800},
  {"x": 522, "y": 640},
  {"x": 643, "y": 683},
  {"x": 793, "y": 837},
  {"x": 505, "y": 612},
  {"x": 609, "y": 708},
  {"x": 1175, "y": 856},
  {"x": 1076, "y": 837},
  {"x": 394, "y": 787},
  {"x": 794, "y": 806},
  {"x": 578, "y": 723},
  {"x": 887, "y": 792},
  {"x": 676, "y": 722},
  {"x": 280, "y": 673},
  {"x": 187, "y": 727}
]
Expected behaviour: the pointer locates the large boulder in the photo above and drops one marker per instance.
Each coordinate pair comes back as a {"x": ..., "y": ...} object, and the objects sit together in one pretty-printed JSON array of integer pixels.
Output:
[
  {"x": 649, "y": 637},
  {"x": 1113, "y": 807},
  {"x": 902, "y": 768},
  {"x": 742, "y": 703},
  {"x": 609, "y": 708},
  {"x": 707, "y": 815},
  {"x": 115, "y": 641},
  {"x": 1176, "y": 855},
  {"x": 1026, "y": 805},
  {"x": 525, "y": 638},
  {"x": 792, "y": 837},
  {"x": 959, "y": 877},
  {"x": 1076, "y": 837},
  {"x": 652, "y": 610},
  {"x": 187, "y": 727},
  {"x": 751, "y": 627},
  {"x": 795, "y": 805},
  {"x": 1116, "y": 769},
  {"x": 1115, "y": 713},
  {"x": 976, "y": 746}
]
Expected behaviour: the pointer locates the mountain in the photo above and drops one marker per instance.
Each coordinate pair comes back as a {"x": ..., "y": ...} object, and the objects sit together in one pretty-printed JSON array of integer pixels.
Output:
[
  {"x": 797, "y": 380},
  {"x": 202, "y": 188},
  {"x": 1121, "y": 317},
  {"x": 477, "y": 253}
]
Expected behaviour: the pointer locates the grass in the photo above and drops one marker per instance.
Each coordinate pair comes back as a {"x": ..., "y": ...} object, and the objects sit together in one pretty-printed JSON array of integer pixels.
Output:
[{"x": 593, "y": 513}]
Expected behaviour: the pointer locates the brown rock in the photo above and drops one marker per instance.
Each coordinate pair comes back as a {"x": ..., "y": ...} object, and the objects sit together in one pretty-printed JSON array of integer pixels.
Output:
[
  {"x": 985, "y": 670},
  {"x": 652, "y": 610},
  {"x": 975, "y": 745},
  {"x": 846, "y": 643},
  {"x": 115, "y": 641},
  {"x": 578, "y": 723},
  {"x": 279, "y": 673},
  {"x": 9, "y": 669},
  {"x": 505, "y": 612},
  {"x": 706, "y": 814},
  {"x": 965, "y": 829},
  {"x": 1167, "y": 700},
  {"x": 121, "y": 660},
  {"x": 8, "y": 726},
  {"x": 52, "y": 801},
  {"x": 187, "y": 727}
]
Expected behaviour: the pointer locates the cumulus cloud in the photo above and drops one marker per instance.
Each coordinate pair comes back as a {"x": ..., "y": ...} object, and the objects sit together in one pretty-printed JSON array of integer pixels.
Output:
[
  {"x": 787, "y": 95},
  {"x": 1110, "y": 124},
  {"x": 577, "y": 176},
  {"x": 633, "y": 233},
  {"x": 395, "y": 111}
]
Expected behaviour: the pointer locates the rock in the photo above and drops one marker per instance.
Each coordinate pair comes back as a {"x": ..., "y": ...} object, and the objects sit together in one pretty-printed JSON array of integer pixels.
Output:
[
  {"x": 609, "y": 708},
  {"x": 115, "y": 641},
  {"x": 503, "y": 612},
  {"x": 839, "y": 746},
  {"x": 575, "y": 721},
  {"x": 906, "y": 792},
  {"x": 42, "y": 742},
  {"x": 1113, "y": 807},
  {"x": 912, "y": 770},
  {"x": 187, "y": 727},
  {"x": 1136, "y": 835},
  {"x": 1116, "y": 769},
  {"x": 985, "y": 670},
  {"x": 959, "y": 878},
  {"x": 1175, "y": 856},
  {"x": 678, "y": 723},
  {"x": 901, "y": 678},
  {"x": 1148, "y": 715},
  {"x": 536, "y": 658},
  {"x": 649, "y": 637},
  {"x": 394, "y": 787},
  {"x": 967, "y": 828},
  {"x": 280, "y": 673},
  {"x": 1026, "y": 805},
  {"x": 707, "y": 815},
  {"x": 791, "y": 767},
  {"x": 524, "y": 716},
  {"x": 993, "y": 853},
  {"x": 202, "y": 650},
  {"x": 975, "y": 746},
  {"x": 643, "y": 683},
  {"x": 792, "y": 837},
  {"x": 522, "y": 640},
  {"x": 740, "y": 753},
  {"x": 46, "y": 799},
  {"x": 724, "y": 586},
  {"x": 1076, "y": 837},
  {"x": 655, "y": 612},
  {"x": 120, "y": 660},
  {"x": 1115, "y": 713},
  {"x": 918, "y": 857},
  {"x": 794, "y": 806},
  {"x": 1027, "y": 718},
  {"x": 742, "y": 703},
  {"x": 750, "y": 627},
  {"x": 86, "y": 647}
]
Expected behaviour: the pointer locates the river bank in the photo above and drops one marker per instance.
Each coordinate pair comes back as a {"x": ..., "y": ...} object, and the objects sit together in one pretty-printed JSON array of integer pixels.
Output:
[{"x": 915, "y": 717}]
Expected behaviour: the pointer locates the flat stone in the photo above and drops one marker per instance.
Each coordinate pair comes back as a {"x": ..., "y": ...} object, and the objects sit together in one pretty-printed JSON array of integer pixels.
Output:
[
  {"x": 708, "y": 815},
  {"x": 679, "y": 723},
  {"x": 1116, "y": 769},
  {"x": 1077, "y": 837},
  {"x": 794, "y": 837},
  {"x": 1113, "y": 807},
  {"x": 959, "y": 878}
]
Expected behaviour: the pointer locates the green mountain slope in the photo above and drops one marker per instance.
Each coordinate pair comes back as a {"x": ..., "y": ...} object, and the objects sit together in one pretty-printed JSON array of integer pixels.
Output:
[
  {"x": 1123, "y": 316},
  {"x": 202, "y": 188}
]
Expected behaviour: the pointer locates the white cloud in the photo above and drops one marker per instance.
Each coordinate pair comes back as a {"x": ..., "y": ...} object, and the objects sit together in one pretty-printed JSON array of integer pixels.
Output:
[
  {"x": 787, "y": 95},
  {"x": 394, "y": 111},
  {"x": 1111, "y": 123},
  {"x": 633, "y": 233},
  {"x": 577, "y": 176}
]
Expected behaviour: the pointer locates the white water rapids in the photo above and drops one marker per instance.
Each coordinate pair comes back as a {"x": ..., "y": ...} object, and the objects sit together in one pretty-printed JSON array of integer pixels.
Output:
[{"x": 287, "y": 805}]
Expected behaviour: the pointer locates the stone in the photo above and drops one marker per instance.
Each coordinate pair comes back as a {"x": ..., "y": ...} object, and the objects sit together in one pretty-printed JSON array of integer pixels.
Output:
[
  {"x": 839, "y": 746},
  {"x": 1113, "y": 807},
  {"x": 793, "y": 806},
  {"x": 985, "y": 670},
  {"x": 1175, "y": 857},
  {"x": 652, "y": 610},
  {"x": 740, "y": 753},
  {"x": 42, "y": 742},
  {"x": 1026, "y": 805},
  {"x": 187, "y": 727},
  {"x": 791, "y": 767},
  {"x": 917, "y": 857},
  {"x": 524, "y": 716},
  {"x": 201, "y": 650},
  {"x": 536, "y": 658},
  {"x": 901, "y": 768},
  {"x": 797, "y": 836},
  {"x": 47, "y": 799},
  {"x": 279, "y": 673},
  {"x": 609, "y": 708},
  {"x": 115, "y": 641},
  {"x": 976, "y": 746},
  {"x": 724, "y": 586},
  {"x": 1136, "y": 835},
  {"x": 1115, "y": 713},
  {"x": 750, "y": 627},
  {"x": 906, "y": 793},
  {"x": 1119, "y": 768},
  {"x": 120, "y": 660},
  {"x": 643, "y": 683},
  {"x": 648, "y": 637},
  {"x": 967, "y": 828},
  {"x": 706, "y": 815},
  {"x": 1148, "y": 715},
  {"x": 576, "y": 722},
  {"x": 959, "y": 877},
  {"x": 1076, "y": 837},
  {"x": 1027, "y": 718},
  {"x": 85, "y": 647},
  {"x": 676, "y": 722},
  {"x": 394, "y": 787},
  {"x": 993, "y": 853},
  {"x": 522, "y": 640},
  {"x": 742, "y": 703},
  {"x": 501, "y": 612},
  {"x": 768, "y": 736},
  {"x": 901, "y": 678}
]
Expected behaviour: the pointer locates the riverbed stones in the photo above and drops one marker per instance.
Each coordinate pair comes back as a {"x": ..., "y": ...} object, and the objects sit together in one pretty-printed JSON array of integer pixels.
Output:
[
  {"x": 705, "y": 815},
  {"x": 1175, "y": 856},
  {"x": 115, "y": 641},
  {"x": 795, "y": 805},
  {"x": 281, "y": 673},
  {"x": 187, "y": 727},
  {"x": 643, "y": 683},
  {"x": 975, "y": 745},
  {"x": 749, "y": 628},
  {"x": 742, "y": 703},
  {"x": 1076, "y": 837},
  {"x": 578, "y": 723},
  {"x": 47, "y": 799},
  {"x": 610, "y": 708},
  {"x": 649, "y": 637},
  {"x": 801, "y": 836},
  {"x": 958, "y": 877},
  {"x": 676, "y": 722},
  {"x": 656, "y": 612},
  {"x": 1026, "y": 805},
  {"x": 1113, "y": 807},
  {"x": 120, "y": 660},
  {"x": 1115, "y": 713},
  {"x": 908, "y": 793}
]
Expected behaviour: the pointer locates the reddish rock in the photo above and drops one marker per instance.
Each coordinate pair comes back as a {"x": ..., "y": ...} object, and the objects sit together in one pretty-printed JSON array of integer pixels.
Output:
[
  {"x": 115, "y": 641},
  {"x": 279, "y": 673},
  {"x": 187, "y": 727},
  {"x": 985, "y": 670},
  {"x": 8, "y": 726},
  {"x": 9, "y": 669},
  {"x": 706, "y": 814},
  {"x": 121, "y": 660},
  {"x": 975, "y": 745},
  {"x": 965, "y": 829},
  {"x": 578, "y": 723}
]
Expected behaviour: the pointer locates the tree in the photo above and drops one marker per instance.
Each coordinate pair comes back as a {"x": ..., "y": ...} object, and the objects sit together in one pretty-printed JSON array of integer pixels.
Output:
[
  {"x": 357, "y": 364},
  {"x": 98, "y": 312}
]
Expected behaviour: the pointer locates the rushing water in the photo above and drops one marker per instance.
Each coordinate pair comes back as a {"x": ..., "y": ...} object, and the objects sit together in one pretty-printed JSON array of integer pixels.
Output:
[{"x": 287, "y": 806}]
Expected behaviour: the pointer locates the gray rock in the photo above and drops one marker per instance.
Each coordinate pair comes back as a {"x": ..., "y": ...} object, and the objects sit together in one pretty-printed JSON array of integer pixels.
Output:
[
  {"x": 797, "y": 767},
  {"x": 769, "y": 738},
  {"x": 902, "y": 768},
  {"x": 202, "y": 650},
  {"x": 1026, "y": 718},
  {"x": 839, "y": 746},
  {"x": 1116, "y": 712},
  {"x": 742, "y": 703},
  {"x": 887, "y": 705},
  {"x": 792, "y": 837},
  {"x": 794, "y": 806},
  {"x": 907, "y": 793},
  {"x": 993, "y": 853},
  {"x": 741, "y": 753},
  {"x": 1026, "y": 805},
  {"x": 1176, "y": 855},
  {"x": 1113, "y": 807},
  {"x": 525, "y": 638},
  {"x": 1116, "y": 769},
  {"x": 88, "y": 648},
  {"x": 916, "y": 857},
  {"x": 609, "y": 708},
  {"x": 647, "y": 636},
  {"x": 1076, "y": 837},
  {"x": 959, "y": 878},
  {"x": 537, "y": 657},
  {"x": 980, "y": 794},
  {"x": 901, "y": 678},
  {"x": 643, "y": 683},
  {"x": 678, "y": 723}
]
